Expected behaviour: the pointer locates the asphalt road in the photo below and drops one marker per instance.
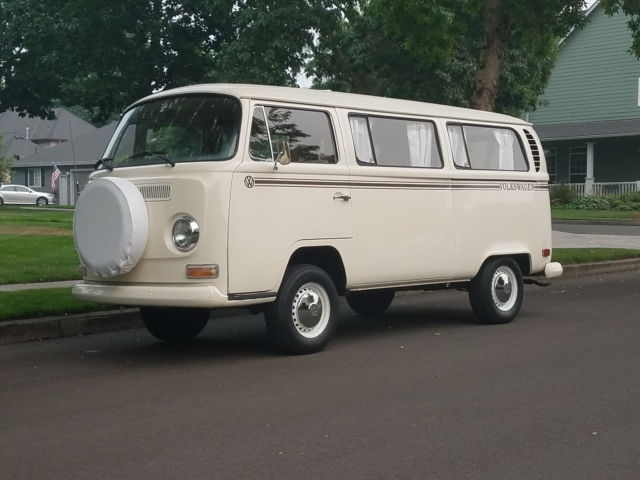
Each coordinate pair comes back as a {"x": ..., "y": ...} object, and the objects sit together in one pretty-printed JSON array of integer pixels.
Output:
[{"x": 421, "y": 393}]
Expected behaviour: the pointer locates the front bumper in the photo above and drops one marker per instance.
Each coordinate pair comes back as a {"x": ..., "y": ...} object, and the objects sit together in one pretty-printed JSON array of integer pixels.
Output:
[{"x": 138, "y": 295}]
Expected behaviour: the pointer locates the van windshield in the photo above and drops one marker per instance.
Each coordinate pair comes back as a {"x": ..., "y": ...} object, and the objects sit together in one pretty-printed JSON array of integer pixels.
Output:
[{"x": 171, "y": 130}]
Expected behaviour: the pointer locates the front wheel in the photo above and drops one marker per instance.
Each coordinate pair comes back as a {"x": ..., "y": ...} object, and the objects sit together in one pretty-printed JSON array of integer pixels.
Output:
[
  {"x": 496, "y": 292},
  {"x": 41, "y": 202},
  {"x": 302, "y": 318},
  {"x": 174, "y": 324},
  {"x": 370, "y": 303}
]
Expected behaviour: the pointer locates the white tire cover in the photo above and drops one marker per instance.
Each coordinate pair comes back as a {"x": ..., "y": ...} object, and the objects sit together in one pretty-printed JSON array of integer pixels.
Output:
[{"x": 110, "y": 226}]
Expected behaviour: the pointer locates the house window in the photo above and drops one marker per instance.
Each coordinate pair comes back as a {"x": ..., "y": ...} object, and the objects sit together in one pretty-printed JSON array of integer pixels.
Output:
[
  {"x": 577, "y": 164},
  {"x": 551, "y": 155},
  {"x": 34, "y": 177}
]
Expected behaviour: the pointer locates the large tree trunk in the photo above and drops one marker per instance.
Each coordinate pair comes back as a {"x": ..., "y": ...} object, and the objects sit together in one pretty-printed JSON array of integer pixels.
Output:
[{"x": 496, "y": 39}]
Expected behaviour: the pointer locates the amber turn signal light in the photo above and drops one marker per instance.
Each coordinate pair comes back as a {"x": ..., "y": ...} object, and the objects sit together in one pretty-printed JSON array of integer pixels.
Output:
[{"x": 202, "y": 271}]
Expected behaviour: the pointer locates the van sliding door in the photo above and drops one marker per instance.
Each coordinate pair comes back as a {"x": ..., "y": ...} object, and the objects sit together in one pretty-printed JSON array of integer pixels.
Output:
[{"x": 402, "y": 202}]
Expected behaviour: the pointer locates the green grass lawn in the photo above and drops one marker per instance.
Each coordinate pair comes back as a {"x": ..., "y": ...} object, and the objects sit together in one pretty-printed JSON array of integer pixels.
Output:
[
  {"x": 571, "y": 214},
  {"x": 37, "y": 258},
  {"x": 567, "y": 256},
  {"x": 42, "y": 303},
  {"x": 55, "y": 218},
  {"x": 36, "y": 245}
]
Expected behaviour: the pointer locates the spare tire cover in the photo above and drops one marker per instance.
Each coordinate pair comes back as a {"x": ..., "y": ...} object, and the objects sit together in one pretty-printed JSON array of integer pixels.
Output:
[{"x": 110, "y": 226}]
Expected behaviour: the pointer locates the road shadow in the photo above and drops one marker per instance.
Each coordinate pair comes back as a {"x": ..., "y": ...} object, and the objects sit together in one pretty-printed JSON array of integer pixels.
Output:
[{"x": 245, "y": 336}]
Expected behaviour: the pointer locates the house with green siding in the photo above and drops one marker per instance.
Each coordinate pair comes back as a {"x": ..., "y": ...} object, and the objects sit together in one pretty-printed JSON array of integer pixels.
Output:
[{"x": 589, "y": 122}]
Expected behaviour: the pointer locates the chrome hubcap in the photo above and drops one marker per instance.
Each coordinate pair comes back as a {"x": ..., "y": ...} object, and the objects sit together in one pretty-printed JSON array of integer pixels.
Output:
[
  {"x": 504, "y": 288},
  {"x": 310, "y": 310}
]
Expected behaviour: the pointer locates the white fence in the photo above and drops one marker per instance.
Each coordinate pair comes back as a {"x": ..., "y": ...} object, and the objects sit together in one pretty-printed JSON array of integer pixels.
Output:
[{"x": 602, "y": 188}]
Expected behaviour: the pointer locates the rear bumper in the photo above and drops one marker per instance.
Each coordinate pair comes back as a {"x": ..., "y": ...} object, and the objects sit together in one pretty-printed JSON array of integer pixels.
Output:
[
  {"x": 201, "y": 296},
  {"x": 553, "y": 270}
]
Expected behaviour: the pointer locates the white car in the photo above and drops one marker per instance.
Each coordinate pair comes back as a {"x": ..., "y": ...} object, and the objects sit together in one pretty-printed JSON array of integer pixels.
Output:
[{"x": 24, "y": 195}]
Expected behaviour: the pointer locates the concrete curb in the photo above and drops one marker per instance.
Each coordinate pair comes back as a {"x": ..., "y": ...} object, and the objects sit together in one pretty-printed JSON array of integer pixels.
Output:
[
  {"x": 596, "y": 268},
  {"x": 17, "y": 331}
]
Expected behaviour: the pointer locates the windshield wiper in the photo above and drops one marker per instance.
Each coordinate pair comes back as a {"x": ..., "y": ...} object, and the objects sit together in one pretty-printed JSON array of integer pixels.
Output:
[
  {"x": 150, "y": 153},
  {"x": 103, "y": 161}
]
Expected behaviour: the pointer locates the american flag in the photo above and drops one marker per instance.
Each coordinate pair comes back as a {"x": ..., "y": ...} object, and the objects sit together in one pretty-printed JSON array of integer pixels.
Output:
[{"x": 54, "y": 177}]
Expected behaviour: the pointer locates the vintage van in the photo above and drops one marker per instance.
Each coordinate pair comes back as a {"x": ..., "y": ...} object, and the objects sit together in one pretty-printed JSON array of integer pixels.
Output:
[{"x": 282, "y": 199}]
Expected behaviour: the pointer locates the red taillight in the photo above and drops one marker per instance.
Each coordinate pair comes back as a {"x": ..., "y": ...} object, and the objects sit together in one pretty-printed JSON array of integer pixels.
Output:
[{"x": 546, "y": 252}]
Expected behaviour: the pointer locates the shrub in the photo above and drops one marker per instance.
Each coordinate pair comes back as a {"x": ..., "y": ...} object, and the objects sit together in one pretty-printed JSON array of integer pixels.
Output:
[
  {"x": 561, "y": 194},
  {"x": 590, "y": 203}
]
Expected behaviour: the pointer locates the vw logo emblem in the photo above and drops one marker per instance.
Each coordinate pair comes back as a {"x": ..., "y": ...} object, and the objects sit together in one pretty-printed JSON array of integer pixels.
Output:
[{"x": 249, "y": 182}]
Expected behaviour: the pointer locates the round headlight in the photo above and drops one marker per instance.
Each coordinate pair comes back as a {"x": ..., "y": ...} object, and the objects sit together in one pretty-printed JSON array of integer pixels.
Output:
[{"x": 185, "y": 233}]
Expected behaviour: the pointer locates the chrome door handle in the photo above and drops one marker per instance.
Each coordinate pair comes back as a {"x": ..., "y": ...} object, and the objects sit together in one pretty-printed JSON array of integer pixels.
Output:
[{"x": 341, "y": 196}]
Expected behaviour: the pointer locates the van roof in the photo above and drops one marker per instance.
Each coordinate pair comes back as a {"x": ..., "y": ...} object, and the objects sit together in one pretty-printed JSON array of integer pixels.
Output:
[{"x": 329, "y": 98}]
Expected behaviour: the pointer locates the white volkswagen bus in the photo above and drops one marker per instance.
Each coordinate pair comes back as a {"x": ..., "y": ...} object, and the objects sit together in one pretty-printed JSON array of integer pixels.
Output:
[{"x": 282, "y": 199}]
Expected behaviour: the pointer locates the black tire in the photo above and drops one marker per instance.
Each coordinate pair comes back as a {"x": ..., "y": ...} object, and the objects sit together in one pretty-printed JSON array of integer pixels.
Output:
[
  {"x": 370, "y": 303},
  {"x": 1, "y": 201},
  {"x": 174, "y": 325},
  {"x": 496, "y": 292},
  {"x": 41, "y": 201},
  {"x": 303, "y": 317}
]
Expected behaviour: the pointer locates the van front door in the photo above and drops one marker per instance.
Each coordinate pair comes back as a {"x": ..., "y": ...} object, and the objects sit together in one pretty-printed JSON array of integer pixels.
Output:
[{"x": 278, "y": 207}]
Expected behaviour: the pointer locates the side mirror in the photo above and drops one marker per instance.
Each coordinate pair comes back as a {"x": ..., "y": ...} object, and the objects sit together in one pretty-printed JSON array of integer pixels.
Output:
[{"x": 284, "y": 153}]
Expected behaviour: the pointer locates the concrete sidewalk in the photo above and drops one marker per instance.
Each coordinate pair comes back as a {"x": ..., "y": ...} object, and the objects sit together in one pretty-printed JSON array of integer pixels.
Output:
[
  {"x": 17, "y": 287},
  {"x": 574, "y": 234},
  {"x": 579, "y": 240}
]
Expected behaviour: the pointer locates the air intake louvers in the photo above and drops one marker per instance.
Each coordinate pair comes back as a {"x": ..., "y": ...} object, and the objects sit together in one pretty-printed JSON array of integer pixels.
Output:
[
  {"x": 535, "y": 151},
  {"x": 155, "y": 193}
]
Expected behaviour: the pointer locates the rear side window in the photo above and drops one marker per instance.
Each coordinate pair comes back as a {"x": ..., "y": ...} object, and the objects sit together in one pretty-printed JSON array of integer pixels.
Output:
[
  {"x": 308, "y": 133},
  {"x": 395, "y": 142},
  {"x": 486, "y": 148}
]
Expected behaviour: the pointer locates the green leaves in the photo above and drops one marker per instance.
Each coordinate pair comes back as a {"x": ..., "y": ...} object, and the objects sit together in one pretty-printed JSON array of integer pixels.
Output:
[
  {"x": 101, "y": 56},
  {"x": 104, "y": 55}
]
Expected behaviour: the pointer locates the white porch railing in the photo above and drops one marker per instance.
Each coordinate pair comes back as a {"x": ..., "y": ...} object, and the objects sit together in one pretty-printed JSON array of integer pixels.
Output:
[{"x": 603, "y": 188}]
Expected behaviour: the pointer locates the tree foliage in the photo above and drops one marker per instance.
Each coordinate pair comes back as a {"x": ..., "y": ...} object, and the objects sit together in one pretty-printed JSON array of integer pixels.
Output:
[
  {"x": 631, "y": 8},
  {"x": 101, "y": 56},
  {"x": 5, "y": 165},
  {"x": 442, "y": 51}
]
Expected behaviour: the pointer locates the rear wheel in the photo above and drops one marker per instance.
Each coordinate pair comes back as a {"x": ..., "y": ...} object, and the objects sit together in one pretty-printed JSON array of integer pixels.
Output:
[
  {"x": 174, "y": 324},
  {"x": 370, "y": 303},
  {"x": 302, "y": 318},
  {"x": 496, "y": 292},
  {"x": 1, "y": 201},
  {"x": 42, "y": 202}
]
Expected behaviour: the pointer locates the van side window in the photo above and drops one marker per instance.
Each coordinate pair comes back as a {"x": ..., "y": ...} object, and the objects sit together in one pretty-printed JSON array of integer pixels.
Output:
[
  {"x": 361, "y": 139},
  {"x": 458, "y": 146},
  {"x": 487, "y": 148},
  {"x": 308, "y": 133},
  {"x": 396, "y": 142},
  {"x": 259, "y": 147}
]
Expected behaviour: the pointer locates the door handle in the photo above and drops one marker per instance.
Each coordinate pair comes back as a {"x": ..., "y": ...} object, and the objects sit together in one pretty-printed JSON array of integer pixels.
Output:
[{"x": 341, "y": 196}]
